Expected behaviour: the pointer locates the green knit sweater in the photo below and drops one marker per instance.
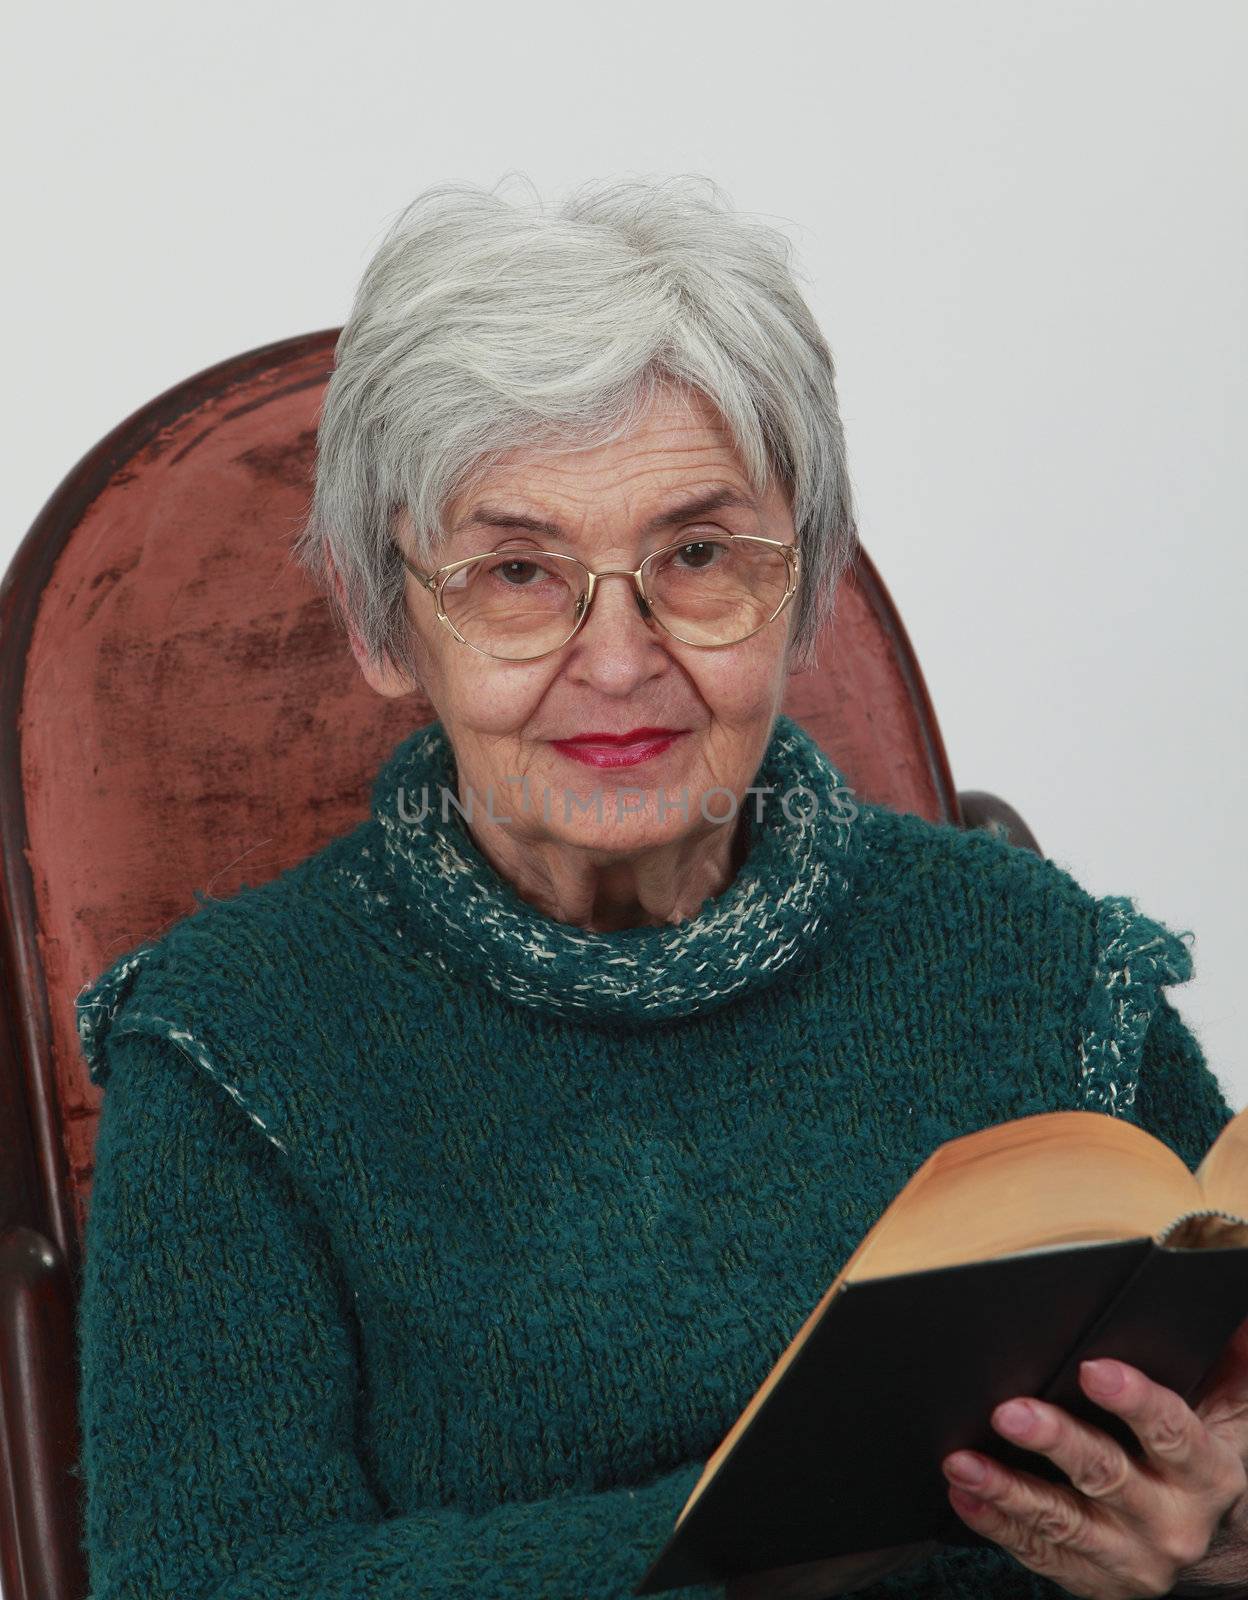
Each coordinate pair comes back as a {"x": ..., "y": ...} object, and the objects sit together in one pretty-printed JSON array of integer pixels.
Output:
[{"x": 434, "y": 1244}]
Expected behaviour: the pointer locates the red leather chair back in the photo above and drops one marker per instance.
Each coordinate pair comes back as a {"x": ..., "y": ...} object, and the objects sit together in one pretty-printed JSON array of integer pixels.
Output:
[
  {"x": 190, "y": 717},
  {"x": 179, "y": 712}
]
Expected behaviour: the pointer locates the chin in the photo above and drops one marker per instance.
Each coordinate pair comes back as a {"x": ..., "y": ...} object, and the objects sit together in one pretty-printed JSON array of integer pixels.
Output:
[{"x": 620, "y": 836}]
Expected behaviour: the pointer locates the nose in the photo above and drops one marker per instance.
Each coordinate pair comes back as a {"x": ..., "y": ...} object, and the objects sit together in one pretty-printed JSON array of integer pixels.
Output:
[{"x": 617, "y": 646}]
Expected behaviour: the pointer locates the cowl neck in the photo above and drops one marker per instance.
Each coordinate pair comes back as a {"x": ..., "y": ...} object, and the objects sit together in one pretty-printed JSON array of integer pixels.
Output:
[{"x": 448, "y": 903}]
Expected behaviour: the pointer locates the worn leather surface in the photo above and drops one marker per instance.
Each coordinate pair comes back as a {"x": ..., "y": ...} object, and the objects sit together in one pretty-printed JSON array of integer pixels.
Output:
[{"x": 192, "y": 718}]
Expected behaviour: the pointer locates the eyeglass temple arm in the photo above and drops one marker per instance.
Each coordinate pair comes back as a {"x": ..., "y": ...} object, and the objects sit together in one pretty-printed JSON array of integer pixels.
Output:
[{"x": 425, "y": 577}]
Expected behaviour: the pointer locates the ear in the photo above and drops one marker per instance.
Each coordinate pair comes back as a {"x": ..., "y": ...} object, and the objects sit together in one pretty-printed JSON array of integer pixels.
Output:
[
  {"x": 340, "y": 589},
  {"x": 382, "y": 677}
]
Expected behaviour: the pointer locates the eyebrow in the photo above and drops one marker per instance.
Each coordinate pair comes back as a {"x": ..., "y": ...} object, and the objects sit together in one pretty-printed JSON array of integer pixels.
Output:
[{"x": 718, "y": 499}]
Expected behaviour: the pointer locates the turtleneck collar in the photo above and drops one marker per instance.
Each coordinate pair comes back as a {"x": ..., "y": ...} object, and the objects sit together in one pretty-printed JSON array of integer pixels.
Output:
[{"x": 442, "y": 896}]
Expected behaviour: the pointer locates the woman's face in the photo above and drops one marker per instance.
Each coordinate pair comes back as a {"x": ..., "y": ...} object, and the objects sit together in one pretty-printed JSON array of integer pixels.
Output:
[{"x": 620, "y": 672}]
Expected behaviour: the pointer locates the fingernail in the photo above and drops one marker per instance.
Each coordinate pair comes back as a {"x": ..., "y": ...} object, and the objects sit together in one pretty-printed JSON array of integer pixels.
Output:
[
  {"x": 1016, "y": 1416},
  {"x": 1105, "y": 1377},
  {"x": 965, "y": 1469}
]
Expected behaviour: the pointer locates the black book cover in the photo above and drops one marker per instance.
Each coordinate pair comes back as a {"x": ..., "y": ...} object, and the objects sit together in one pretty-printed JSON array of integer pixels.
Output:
[{"x": 844, "y": 1454}]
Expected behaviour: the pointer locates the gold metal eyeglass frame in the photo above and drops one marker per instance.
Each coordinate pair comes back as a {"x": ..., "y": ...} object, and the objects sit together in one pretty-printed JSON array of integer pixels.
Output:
[{"x": 435, "y": 581}]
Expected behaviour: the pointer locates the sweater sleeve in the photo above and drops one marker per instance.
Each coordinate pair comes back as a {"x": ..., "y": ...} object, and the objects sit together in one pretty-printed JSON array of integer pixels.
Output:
[
  {"x": 1138, "y": 1059},
  {"x": 1179, "y": 1099},
  {"x": 218, "y": 1389}
]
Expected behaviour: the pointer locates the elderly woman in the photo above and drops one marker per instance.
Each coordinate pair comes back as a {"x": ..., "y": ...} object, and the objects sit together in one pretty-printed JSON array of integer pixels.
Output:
[{"x": 456, "y": 1189}]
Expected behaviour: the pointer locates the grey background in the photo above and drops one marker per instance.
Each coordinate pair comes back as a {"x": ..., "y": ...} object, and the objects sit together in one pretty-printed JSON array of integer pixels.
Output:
[{"x": 1026, "y": 234}]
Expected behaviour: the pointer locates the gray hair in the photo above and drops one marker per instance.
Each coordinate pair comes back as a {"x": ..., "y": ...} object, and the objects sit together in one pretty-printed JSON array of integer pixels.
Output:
[{"x": 480, "y": 326}]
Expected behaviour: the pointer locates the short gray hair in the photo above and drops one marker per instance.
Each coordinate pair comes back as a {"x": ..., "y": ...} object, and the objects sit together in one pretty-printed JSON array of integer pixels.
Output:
[{"x": 481, "y": 325}]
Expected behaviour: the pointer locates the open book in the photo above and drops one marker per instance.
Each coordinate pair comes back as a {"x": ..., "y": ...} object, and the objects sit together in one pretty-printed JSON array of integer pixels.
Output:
[{"x": 1010, "y": 1256}]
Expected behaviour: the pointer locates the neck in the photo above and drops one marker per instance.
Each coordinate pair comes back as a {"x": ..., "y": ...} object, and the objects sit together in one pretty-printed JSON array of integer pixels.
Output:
[
  {"x": 422, "y": 882},
  {"x": 603, "y": 891}
]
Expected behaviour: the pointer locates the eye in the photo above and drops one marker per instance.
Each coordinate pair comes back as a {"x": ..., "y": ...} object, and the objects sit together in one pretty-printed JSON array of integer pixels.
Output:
[
  {"x": 521, "y": 566},
  {"x": 511, "y": 572},
  {"x": 515, "y": 571},
  {"x": 697, "y": 555}
]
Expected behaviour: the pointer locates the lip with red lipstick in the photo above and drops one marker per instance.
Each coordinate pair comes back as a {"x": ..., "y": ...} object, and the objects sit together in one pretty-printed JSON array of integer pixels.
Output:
[{"x": 618, "y": 749}]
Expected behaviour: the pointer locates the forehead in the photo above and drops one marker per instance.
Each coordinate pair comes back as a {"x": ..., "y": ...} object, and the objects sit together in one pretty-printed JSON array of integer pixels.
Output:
[{"x": 678, "y": 443}]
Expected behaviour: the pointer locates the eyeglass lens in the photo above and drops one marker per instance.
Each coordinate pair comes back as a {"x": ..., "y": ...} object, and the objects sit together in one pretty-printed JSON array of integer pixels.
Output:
[{"x": 522, "y": 603}]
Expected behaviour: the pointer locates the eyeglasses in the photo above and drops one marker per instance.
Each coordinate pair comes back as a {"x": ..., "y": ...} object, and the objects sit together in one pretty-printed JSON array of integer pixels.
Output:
[{"x": 517, "y": 604}]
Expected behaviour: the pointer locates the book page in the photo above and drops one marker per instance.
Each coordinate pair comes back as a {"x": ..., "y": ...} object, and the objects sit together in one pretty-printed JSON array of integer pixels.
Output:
[{"x": 1223, "y": 1174}]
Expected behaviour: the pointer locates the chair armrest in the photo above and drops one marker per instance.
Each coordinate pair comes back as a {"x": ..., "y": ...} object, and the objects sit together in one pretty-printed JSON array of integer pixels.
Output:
[
  {"x": 983, "y": 810},
  {"x": 40, "y": 1552}
]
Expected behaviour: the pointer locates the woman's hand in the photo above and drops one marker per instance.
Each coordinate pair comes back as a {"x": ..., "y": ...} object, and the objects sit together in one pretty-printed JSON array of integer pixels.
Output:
[{"x": 1125, "y": 1528}]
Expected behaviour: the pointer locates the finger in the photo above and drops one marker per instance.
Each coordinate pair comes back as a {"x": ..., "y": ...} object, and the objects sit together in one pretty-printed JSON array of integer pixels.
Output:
[
  {"x": 1132, "y": 1570},
  {"x": 1177, "y": 1445},
  {"x": 1044, "y": 1527},
  {"x": 1019, "y": 1500},
  {"x": 1096, "y": 1465}
]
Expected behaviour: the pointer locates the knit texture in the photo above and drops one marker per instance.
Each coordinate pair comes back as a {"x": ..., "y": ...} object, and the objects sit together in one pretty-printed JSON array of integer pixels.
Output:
[
  {"x": 433, "y": 1246},
  {"x": 780, "y": 909}
]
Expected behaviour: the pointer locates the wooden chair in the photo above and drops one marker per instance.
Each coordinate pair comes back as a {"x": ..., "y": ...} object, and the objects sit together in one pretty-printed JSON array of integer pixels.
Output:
[{"x": 179, "y": 712}]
